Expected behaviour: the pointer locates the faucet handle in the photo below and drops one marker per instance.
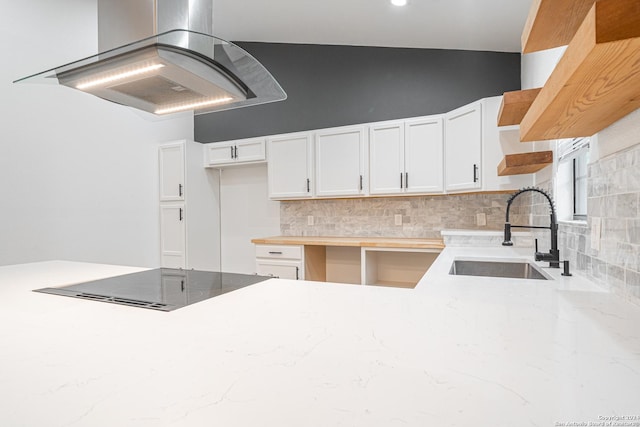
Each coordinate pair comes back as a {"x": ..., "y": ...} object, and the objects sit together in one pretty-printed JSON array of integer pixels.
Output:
[{"x": 566, "y": 268}]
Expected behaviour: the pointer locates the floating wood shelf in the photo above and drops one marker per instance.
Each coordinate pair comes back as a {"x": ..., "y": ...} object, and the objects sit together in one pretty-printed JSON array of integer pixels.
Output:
[
  {"x": 596, "y": 82},
  {"x": 515, "y": 105},
  {"x": 553, "y": 23},
  {"x": 518, "y": 164}
]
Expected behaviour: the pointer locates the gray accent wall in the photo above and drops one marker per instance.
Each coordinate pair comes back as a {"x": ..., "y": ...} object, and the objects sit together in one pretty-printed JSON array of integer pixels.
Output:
[{"x": 331, "y": 86}]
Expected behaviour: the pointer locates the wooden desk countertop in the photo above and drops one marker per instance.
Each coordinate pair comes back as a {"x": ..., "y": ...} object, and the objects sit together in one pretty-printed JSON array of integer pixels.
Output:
[{"x": 372, "y": 242}]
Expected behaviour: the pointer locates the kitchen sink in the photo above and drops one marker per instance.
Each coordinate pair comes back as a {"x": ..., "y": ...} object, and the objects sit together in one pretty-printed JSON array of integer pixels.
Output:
[{"x": 514, "y": 269}]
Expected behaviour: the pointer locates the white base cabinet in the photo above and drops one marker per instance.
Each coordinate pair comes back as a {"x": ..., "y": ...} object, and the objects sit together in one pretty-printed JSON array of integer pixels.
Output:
[
  {"x": 173, "y": 235},
  {"x": 373, "y": 266},
  {"x": 281, "y": 261},
  {"x": 189, "y": 217}
]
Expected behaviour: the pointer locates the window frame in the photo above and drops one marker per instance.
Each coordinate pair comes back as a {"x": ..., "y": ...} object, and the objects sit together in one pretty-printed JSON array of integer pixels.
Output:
[{"x": 576, "y": 151}]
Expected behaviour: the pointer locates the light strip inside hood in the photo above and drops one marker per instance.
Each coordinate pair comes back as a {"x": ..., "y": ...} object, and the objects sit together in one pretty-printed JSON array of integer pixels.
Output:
[{"x": 173, "y": 71}]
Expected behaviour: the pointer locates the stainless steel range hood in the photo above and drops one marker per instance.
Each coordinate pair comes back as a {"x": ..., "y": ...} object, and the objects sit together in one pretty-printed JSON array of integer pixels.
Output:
[{"x": 159, "y": 56}]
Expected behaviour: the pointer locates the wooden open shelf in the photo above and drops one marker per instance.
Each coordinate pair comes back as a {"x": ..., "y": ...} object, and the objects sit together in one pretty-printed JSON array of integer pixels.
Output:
[
  {"x": 518, "y": 164},
  {"x": 596, "y": 82},
  {"x": 515, "y": 105},
  {"x": 553, "y": 23}
]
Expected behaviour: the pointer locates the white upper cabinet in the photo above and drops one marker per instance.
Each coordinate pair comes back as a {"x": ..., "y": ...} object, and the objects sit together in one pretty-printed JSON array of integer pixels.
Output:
[
  {"x": 289, "y": 166},
  {"x": 340, "y": 161},
  {"x": 406, "y": 156},
  {"x": 386, "y": 158},
  {"x": 463, "y": 148},
  {"x": 423, "y": 155},
  {"x": 219, "y": 154},
  {"x": 172, "y": 172}
]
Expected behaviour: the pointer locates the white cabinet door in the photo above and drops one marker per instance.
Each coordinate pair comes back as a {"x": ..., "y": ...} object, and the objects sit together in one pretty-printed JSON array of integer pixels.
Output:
[
  {"x": 463, "y": 147},
  {"x": 289, "y": 166},
  {"x": 423, "y": 155},
  {"x": 386, "y": 158},
  {"x": 173, "y": 235},
  {"x": 250, "y": 151},
  {"x": 280, "y": 269},
  {"x": 235, "y": 152},
  {"x": 220, "y": 154},
  {"x": 171, "y": 157},
  {"x": 339, "y": 162}
]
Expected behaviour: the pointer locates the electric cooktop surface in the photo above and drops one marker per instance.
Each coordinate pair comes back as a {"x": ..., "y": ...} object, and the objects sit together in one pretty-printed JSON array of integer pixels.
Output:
[{"x": 164, "y": 289}]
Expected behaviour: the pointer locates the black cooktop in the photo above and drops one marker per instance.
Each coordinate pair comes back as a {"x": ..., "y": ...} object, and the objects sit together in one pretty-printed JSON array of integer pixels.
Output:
[{"x": 164, "y": 289}]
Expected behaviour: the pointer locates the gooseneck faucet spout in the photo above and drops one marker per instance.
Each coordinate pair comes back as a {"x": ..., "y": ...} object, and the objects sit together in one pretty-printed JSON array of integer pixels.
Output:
[{"x": 553, "y": 256}]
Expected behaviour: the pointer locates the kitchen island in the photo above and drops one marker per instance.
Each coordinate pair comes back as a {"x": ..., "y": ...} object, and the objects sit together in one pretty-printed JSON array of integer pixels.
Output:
[{"x": 454, "y": 351}]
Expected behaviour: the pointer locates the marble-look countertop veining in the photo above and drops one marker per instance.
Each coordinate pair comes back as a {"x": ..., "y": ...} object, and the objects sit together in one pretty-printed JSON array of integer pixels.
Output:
[{"x": 455, "y": 351}]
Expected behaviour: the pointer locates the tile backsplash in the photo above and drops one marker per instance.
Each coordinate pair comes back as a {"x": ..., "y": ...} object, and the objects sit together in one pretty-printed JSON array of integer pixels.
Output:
[
  {"x": 422, "y": 216},
  {"x": 613, "y": 200}
]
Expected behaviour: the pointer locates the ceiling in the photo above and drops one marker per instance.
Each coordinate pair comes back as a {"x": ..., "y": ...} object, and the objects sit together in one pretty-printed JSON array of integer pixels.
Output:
[{"x": 492, "y": 25}]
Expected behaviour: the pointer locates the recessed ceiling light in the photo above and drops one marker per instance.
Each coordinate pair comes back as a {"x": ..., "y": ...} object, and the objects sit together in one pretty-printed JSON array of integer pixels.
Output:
[{"x": 399, "y": 2}]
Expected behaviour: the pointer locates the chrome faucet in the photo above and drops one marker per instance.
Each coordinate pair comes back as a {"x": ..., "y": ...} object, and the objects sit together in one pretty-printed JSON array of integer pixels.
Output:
[{"x": 553, "y": 256}]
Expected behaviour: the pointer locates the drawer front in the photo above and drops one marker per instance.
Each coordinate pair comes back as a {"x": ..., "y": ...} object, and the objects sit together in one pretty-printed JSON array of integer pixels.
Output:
[
  {"x": 283, "y": 271},
  {"x": 279, "y": 251}
]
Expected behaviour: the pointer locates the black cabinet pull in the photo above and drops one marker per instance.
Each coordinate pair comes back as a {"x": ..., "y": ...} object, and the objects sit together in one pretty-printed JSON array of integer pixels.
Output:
[
  {"x": 360, "y": 182},
  {"x": 231, "y": 151},
  {"x": 236, "y": 151},
  {"x": 180, "y": 214},
  {"x": 475, "y": 173},
  {"x": 406, "y": 180},
  {"x": 297, "y": 273},
  {"x": 401, "y": 180},
  {"x": 275, "y": 252},
  {"x": 308, "y": 185},
  {"x": 180, "y": 190}
]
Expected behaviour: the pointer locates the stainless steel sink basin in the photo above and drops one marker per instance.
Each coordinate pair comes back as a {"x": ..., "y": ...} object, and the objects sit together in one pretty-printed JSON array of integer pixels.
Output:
[{"x": 515, "y": 269}]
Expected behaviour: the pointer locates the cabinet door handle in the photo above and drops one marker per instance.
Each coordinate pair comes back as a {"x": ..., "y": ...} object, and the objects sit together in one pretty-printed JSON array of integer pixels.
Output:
[
  {"x": 236, "y": 151},
  {"x": 406, "y": 180},
  {"x": 360, "y": 182},
  {"x": 308, "y": 185},
  {"x": 180, "y": 190},
  {"x": 475, "y": 173},
  {"x": 180, "y": 214},
  {"x": 275, "y": 252},
  {"x": 231, "y": 151},
  {"x": 297, "y": 273},
  {"x": 400, "y": 180}
]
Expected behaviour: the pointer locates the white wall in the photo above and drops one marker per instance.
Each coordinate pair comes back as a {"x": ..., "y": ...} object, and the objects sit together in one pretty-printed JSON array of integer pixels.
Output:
[
  {"x": 246, "y": 213},
  {"x": 78, "y": 175},
  {"x": 536, "y": 67}
]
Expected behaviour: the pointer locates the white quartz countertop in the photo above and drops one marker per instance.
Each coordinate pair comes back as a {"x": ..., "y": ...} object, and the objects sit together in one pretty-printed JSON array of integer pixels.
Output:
[{"x": 455, "y": 351}]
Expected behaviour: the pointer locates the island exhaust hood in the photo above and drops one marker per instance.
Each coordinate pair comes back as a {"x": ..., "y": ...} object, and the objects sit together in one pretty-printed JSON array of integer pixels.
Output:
[{"x": 159, "y": 56}]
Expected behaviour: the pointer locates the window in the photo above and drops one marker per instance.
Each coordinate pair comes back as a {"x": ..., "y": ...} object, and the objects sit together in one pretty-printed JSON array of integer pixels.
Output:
[
  {"x": 580, "y": 183},
  {"x": 571, "y": 180}
]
